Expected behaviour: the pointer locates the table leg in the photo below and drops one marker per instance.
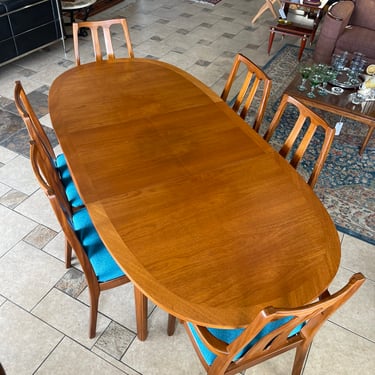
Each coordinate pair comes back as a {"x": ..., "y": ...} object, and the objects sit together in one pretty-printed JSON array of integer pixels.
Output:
[
  {"x": 270, "y": 40},
  {"x": 141, "y": 314},
  {"x": 368, "y": 136},
  {"x": 302, "y": 47}
]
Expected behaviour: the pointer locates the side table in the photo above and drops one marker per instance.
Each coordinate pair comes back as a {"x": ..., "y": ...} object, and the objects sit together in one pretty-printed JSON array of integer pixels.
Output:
[
  {"x": 72, "y": 6},
  {"x": 303, "y": 17}
]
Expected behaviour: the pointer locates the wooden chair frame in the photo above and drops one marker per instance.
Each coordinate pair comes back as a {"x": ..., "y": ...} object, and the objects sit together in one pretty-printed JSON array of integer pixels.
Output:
[
  {"x": 33, "y": 125},
  {"x": 279, "y": 340},
  {"x": 37, "y": 133},
  {"x": 49, "y": 181},
  {"x": 268, "y": 4},
  {"x": 249, "y": 88},
  {"x": 315, "y": 123},
  {"x": 94, "y": 27}
]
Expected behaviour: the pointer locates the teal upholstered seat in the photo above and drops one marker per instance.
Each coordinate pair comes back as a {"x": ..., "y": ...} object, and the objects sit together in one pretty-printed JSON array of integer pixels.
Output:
[
  {"x": 71, "y": 191},
  {"x": 101, "y": 260},
  {"x": 271, "y": 332},
  {"x": 229, "y": 335}
]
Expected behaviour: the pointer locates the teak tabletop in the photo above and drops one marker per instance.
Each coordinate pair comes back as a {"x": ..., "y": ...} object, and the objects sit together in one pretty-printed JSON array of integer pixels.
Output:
[{"x": 204, "y": 217}]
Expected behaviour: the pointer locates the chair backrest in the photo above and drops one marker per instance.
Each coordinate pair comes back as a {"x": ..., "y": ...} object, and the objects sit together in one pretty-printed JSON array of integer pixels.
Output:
[
  {"x": 296, "y": 144},
  {"x": 34, "y": 127},
  {"x": 105, "y": 26},
  {"x": 50, "y": 183},
  {"x": 255, "y": 89},
  {"x": 273, "y": 331},
  {"x": 47, "y": 175}
]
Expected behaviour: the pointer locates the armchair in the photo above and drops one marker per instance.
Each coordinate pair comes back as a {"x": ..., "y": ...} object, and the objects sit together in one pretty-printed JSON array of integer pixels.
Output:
[{"x": 347, "y": 26}]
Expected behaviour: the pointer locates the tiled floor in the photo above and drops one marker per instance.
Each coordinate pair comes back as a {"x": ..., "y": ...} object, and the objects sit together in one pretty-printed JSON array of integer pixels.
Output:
[{"x": 44, "y": 307}]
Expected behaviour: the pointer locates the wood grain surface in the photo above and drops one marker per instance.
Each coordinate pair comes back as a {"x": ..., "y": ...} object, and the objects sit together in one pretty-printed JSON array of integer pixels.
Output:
[{"x": 201, "y": 213}]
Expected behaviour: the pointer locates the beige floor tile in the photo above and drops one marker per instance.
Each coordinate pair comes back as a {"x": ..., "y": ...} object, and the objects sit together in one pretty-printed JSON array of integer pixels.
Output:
[
  {"x": 280, "y": 365},
  {"x": 56, "y": 247},
  {"x": 118, "y": 364},
  {"x": 336, "y": 351},
  {"x": 27, "y": 274},
  {"x": 40, "y": 236},
  {"x": 118, "y": 304},
  {"x": 69, "y": 316},
  {"x": 46, "y": 121},
  {"x": 358, "y": 256},
  {"x": 13, "y": 228},
  {"x": 6, "y": 155},
  {"x": 18, "y": 174},
  {"x": 357, "y": 314},
  {"x": 4, "y": 189},
  {"x": 12, "y": 198},
  {"x": 70, "y": 358},
  {"x": 25, "y": 341},
  {"x": 50, "y": 72},
  {"x": 37, "y": 208},
  {"x": 161, "y": 354}
]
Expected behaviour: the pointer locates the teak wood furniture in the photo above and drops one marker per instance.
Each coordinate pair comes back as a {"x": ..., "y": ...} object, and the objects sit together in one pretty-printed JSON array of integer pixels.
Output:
[
  {"x": 101, "y": 29},
  {"x": 340, "y": 105},
  {"x": 268, "y": 4},
  {"x": 200, "y": 212},
  {"x": 306, "y": 125},
  {"x": 302, "y": 21},
  {"x": 253, "y": 93}
]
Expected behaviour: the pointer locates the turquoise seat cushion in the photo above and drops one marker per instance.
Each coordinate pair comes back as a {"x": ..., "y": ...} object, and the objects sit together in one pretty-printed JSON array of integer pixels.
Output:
[
  {"x": 70, "y": 190},
  {"x": 229, "y": 335},
  {"x": 102, "y": 262}
]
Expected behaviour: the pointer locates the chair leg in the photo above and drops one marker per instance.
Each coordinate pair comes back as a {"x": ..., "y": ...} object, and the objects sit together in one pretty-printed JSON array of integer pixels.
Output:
[
  {"x": 270, "y": 40},
  {"x": 94, "y": 303},
  {"x": 68, "y": 254},
  {"x": 141, "y": 314},
  {"x": 302, "y": 47},
  {"x": 171, "y": 325},
  {"x": 267, "y": 5},
  {"x": 299, "y": 358},
  {"x": 365, "y": 142}
]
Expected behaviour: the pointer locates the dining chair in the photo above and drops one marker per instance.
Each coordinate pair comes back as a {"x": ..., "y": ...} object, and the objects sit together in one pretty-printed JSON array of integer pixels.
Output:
[
  {"x": 35, "y": 130},
  {"x": 273, "y": 331},
  {"x": 268, "y": 4},
  {"x": 105, "y": 26},
  {"x": 297, "y": 142},
  {"x": 37, "y": 133},
  {"x": 254, "y": 90},
  {"x": 100, "y": 269}
]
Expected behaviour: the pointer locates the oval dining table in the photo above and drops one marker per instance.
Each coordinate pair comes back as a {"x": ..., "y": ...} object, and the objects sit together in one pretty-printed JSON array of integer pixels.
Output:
[{"x": 204, "y": 216}]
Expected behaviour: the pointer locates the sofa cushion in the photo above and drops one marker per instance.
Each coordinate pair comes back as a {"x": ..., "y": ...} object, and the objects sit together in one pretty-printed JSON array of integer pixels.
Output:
[
  {"x": 363, "y": 14},
  {"x": 358, "y": 39}
]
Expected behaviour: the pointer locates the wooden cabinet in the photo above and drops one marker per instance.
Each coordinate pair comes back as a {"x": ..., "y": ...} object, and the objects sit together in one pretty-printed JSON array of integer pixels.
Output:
[{"x": 28, "y": 25}]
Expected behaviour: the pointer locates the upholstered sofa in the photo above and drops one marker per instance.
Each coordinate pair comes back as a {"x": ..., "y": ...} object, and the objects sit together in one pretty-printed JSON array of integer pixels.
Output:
[
  {"x": 347, "y": 26},
  {"x": 27, "y": 25}
]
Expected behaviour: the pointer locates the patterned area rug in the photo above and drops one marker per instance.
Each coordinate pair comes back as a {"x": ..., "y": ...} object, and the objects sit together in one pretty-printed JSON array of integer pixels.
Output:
[{"x": 346, "y": 185}]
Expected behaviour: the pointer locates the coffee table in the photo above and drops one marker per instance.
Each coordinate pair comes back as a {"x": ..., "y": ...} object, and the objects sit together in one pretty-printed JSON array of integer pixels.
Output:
[
  {"x": 302, "y": 21},
  {"x": 338, "y": 104}
]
